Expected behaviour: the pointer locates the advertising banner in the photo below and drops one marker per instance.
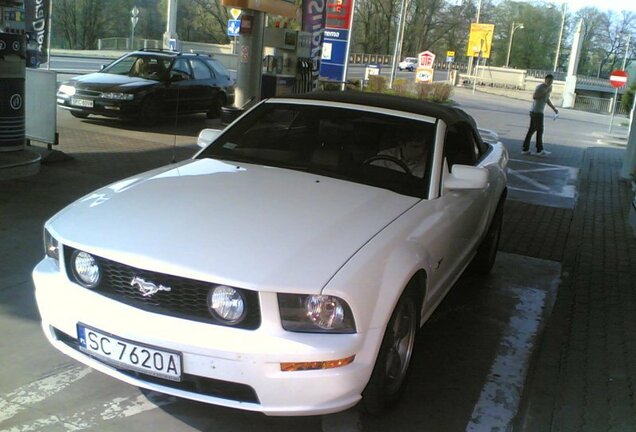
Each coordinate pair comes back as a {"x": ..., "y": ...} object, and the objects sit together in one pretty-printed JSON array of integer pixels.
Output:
[
  {"x": 335, "y": 47},
  {"x": 36, "y": 27},
  {"x": 480, "y": 40},
  {"x": 314, "y": 17}
]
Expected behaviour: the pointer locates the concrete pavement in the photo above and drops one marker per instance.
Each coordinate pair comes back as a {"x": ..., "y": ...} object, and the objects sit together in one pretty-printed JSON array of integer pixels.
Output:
[{"x": 582, "y": 375}]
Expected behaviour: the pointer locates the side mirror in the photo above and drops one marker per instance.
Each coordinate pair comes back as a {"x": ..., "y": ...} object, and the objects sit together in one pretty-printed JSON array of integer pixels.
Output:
[
  {"x": 101, "y": 67},
  {"x": 207, "y": 137},
  {"x": 466, "y": 177},
  {"x": 174, "y": 77}
]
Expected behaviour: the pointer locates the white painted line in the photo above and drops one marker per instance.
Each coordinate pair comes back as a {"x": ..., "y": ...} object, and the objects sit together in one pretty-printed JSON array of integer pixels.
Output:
[
  {"x": 539, "y": 169},
  {"x": 117, "y": 408},
  {"x": 528, "y": 180},
  {"x": 499, "y": 399},
  {"x": 567, "y": 191},
  {"x": 30, "y": 394}
]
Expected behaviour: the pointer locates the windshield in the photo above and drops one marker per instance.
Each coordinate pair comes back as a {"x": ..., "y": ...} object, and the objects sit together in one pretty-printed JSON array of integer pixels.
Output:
[
  {"x": 348, "y": 144},
  {"x": 140, "y": 65}
]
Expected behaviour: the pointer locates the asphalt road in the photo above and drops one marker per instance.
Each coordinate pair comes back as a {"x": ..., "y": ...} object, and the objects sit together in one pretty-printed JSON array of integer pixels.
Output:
[{"x": 462, "y": 379}]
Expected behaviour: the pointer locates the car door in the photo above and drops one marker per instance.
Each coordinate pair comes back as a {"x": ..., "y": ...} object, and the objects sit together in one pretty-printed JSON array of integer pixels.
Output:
[
  {"x": 205, "y": 84},
  {"x": 463, "y": 213},
  {"x": 180, "y": 91}
]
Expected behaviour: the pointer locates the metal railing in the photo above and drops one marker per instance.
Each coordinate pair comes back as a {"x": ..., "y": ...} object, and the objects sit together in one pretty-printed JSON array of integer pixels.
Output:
[
  {"x": 123, "y": 44},
  {"x": 594, "y": 104},
  {"x": 387, "y": 60}
]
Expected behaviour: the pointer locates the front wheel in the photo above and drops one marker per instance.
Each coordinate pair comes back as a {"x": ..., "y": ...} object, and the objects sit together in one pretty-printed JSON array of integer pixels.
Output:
[
  {"x": 388, "y": 378},
  {"x": 217, "y": 104}
]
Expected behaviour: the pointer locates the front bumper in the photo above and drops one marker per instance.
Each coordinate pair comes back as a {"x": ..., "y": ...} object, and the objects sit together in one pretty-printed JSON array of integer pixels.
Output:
[
  {"x": 223, "y": 366},
  {"x": 100, "y": 106}
]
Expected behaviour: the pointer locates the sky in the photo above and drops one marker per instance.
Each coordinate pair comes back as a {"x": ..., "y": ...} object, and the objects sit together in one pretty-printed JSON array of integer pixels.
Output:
[{"x": 613, "y": 5}]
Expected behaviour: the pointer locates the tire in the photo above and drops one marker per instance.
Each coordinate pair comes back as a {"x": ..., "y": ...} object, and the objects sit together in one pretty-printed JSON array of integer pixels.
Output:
[
  {"x": 484, "y": 260},
  {"x": 391, "y": 369},
  {"x": 217, "y": 104},
  {"x": 79, "y": 114},
  {"x": 150, "y": 112}
]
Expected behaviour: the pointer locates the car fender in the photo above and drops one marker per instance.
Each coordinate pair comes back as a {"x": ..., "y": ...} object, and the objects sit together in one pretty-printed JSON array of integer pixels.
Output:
[{"x": 373, "y": 279}]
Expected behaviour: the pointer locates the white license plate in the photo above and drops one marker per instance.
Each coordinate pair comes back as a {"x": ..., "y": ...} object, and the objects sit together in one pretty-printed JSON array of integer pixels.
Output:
[
  {"x": 130, "y": 355},
  {"x": 82, "y": 102}
]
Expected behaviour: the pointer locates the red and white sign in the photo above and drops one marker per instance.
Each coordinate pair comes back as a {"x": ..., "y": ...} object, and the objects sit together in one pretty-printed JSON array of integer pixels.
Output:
[
  {"x": 618, "y": 78},
  {"x": 426, "y": 59}
]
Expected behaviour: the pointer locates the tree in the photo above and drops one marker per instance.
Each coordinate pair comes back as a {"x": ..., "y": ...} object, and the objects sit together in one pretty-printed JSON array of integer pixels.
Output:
[{"x": 79, "y": 21}]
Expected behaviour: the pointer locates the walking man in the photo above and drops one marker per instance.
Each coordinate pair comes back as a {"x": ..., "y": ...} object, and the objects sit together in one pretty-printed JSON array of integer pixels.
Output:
[{"x": 541, "y": 97}]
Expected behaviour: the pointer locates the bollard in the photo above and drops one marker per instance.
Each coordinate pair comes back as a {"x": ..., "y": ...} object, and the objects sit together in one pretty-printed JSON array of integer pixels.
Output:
[{"x": 12, "y": 73}]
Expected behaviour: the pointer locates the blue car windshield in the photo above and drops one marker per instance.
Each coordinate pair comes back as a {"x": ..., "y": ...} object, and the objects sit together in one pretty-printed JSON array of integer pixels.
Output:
[{"x": 140, "y": 65}]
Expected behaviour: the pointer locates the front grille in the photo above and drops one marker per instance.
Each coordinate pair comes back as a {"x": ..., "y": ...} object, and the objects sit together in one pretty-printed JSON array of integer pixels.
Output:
[
  {"x": 190, "y": 383},
  {"x": 87, "y": 93},
  {"x": 186, "y": 299}
]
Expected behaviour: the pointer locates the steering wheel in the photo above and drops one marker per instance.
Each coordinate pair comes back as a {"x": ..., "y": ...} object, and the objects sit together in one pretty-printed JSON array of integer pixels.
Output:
[{"x": 393, "y": 159}]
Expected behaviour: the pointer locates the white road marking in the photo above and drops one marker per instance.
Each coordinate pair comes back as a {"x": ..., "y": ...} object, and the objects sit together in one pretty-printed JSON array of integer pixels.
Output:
[
  {"x": 500, "y": 397},
  {"x": 528, "y": 180},
  {"x": 30, "y": 394},
  {"x": 117, "y": 408},
  {"x": 566, "y": 192}
]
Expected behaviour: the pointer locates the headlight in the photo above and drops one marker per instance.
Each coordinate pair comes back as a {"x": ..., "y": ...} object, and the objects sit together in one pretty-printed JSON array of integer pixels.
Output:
[
  {"x": 85, "y": 269},
  {"x": 51, "y": 246},
  {"x": 226, "y": 304},
  {"x": 118, "y": 96},
  {"x": 67, "y": 89},
  {"x": 315, "y": 314}
]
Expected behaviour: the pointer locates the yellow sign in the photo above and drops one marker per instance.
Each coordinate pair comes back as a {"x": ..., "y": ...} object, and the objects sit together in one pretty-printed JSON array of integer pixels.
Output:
[
  {"x": 450, "y": 53},
  {"x": 424, "y": 75},
  {"x": 480, "y": 40},
  {"x": 274, "y": 7},
  {"x": 235, "y": 13}
]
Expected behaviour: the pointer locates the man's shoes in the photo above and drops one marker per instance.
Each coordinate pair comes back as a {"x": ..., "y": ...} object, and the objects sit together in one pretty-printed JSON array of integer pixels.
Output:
[
  {"x": 525, "y": 152},
  {"x": 544, "y": 153}
]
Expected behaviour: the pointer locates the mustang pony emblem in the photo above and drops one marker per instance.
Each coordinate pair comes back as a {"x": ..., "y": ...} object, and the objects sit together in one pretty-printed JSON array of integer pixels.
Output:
[{"x": 148, "y": 288}]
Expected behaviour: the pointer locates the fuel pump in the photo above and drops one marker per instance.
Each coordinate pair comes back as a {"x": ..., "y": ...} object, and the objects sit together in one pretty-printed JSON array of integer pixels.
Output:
[{"x": 284, "y": 68}]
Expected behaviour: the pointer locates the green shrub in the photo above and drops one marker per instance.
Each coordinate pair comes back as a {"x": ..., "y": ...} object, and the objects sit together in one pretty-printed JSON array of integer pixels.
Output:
[
  {"x": 353, "y": 84},
  {"x": 401, "y": 87},
  {"x": 441, "y": 92},
  {"x": 628, "y": 98},
  {"x": 377, "y": 83},
  {"x": 435, "y": 92},
  {"x": 330, "y": 85},
  {"x": 423, "y": 90}
]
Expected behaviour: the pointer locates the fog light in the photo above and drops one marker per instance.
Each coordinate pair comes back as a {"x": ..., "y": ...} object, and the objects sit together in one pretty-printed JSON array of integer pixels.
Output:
[
  {"x": 303, "y": 366},
  {"x": 85, "y": 269},
  {"x": 226, "y": 304}
]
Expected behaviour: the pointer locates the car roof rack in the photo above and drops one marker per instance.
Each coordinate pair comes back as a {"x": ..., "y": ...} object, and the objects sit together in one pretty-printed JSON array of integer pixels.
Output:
[
  {"x": 162, "y": 50},
  {"x": 198, "y": 53}
]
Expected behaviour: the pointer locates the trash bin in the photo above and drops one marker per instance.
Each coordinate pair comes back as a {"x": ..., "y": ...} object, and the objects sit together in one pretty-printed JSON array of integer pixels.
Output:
[
  {"x": 229, "y": 114},
  {"x": 12, "y": 73}
]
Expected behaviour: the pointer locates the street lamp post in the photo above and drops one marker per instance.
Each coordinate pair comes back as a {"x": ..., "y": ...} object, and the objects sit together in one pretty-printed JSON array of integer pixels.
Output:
[
  {"x": 513, "y": 28},
  {"x": 134, "y": 18},
  {"x": 558, "y": 50}
]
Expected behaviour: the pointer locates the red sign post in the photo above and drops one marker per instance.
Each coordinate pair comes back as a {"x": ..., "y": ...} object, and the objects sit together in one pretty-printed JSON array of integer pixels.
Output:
[{"x": 618, "y": 78}]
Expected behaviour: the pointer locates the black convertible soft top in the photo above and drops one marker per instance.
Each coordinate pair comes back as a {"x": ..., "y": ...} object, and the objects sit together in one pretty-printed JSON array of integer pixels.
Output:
[{"x": 449, "y": 114}]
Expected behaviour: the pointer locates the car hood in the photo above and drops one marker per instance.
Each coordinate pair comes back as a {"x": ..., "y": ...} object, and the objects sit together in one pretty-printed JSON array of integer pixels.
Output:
[
  {"x": 111, "y": 82},
  {"x": 249, "y": 226}
]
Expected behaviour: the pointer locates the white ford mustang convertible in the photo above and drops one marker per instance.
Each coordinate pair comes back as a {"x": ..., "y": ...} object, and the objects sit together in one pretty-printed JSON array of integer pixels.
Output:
[{"x": 287, "y": 266}]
